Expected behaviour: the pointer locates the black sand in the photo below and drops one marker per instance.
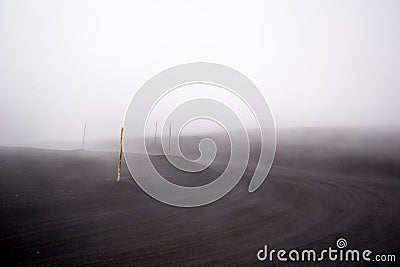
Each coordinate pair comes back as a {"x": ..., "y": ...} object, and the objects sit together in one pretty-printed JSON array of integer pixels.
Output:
[{"x": 66, "y": 208}]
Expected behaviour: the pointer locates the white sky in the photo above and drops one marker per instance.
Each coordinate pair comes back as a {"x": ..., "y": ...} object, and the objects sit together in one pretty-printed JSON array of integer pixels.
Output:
[{"x": 318, "y": 63}]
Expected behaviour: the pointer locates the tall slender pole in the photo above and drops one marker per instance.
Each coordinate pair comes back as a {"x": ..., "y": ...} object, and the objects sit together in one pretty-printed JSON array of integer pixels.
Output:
[
  {"x": 155, "y": 135},
  {"x": 120, "y": 155},
  {"x": 84, "y": 135},
  {"x": 169, "y": 140}
]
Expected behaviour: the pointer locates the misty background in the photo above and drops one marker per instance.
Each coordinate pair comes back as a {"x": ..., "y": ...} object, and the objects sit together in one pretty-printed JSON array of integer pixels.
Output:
[{"x": 318, "y": 63}]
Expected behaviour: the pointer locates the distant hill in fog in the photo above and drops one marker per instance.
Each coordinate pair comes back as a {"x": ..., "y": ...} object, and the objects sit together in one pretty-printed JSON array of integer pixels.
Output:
[{"x": 337, "y": 138}]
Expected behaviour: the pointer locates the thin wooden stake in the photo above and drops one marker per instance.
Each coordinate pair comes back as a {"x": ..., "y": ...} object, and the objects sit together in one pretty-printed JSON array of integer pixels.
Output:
[
  {"x": 84, "y": 136},
  {"x": 120, "y": 155}
]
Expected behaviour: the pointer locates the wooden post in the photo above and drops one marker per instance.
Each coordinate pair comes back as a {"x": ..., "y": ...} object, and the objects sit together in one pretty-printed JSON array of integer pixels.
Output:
[
  {"x": 84, "y": 135},
  {"x": 120, "y": 155}
]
